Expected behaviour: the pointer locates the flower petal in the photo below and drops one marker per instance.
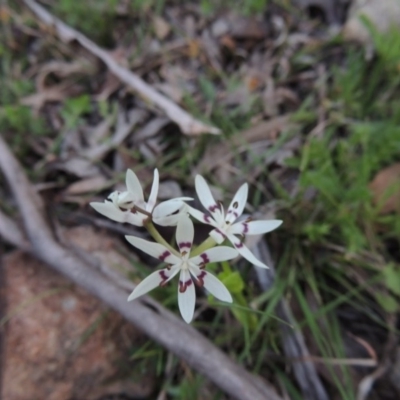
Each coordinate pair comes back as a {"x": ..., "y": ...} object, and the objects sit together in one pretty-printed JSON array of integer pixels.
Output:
[
  {"x": 167, "y": 208},
  {"x": 184, "y": 234},
  {"x": 205, "y": 218},
  {"x": 206, "y": 198},
  {"x": 169, "y": 220},
  {"x": 260, "y": 227},
  {"x": 123, "y": 200},
  {"x": 109, "y": 210},
  {"x": 245, "y": 252},
  {"x": 133, "y": 185},
  {"x": 135, "y": 218},
  {"x": 238, "y": 203},
  {"x": 114, "y": 197},
  {"x": 216, "y": 287},
  {"x": 216, "y": 254},
  {"x": 147, "y": 284},
  {"x": 156, "y": 250},
  {"x": 154, "y": 192},
  {"x": 186, "y": 296},
  {"x": 218, "y": 235}
]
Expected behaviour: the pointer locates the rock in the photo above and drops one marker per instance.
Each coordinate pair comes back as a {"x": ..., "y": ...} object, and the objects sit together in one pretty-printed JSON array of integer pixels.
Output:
[
  {"x": 382, "y": 14},
  {"x": 61, "y": 343}
]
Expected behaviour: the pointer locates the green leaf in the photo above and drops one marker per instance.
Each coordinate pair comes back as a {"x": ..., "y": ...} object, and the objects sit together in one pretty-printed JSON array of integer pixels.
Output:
[
  {"x": 232, "y": 280},
  {"x": 387, "y": 302},
  {"x": 391, "y": 276}
]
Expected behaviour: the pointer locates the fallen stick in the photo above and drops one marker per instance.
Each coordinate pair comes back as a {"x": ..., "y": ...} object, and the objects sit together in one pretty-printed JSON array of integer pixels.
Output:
[
  {"x": 187, "y": 123},
  {"x": 161, "y": 325},
  {"x": 12, "y": 234}
]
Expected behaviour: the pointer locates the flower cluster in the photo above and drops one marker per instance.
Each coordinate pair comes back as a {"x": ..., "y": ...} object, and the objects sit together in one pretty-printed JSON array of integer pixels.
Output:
[{"x": 187, "y": 260}]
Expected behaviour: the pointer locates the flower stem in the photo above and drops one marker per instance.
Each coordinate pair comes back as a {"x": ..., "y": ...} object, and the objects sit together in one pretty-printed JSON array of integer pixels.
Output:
[
  {"x": 207, "y": 244},
  {"x": 142, "y": 211},
  {"x": 158, "y": 238}
]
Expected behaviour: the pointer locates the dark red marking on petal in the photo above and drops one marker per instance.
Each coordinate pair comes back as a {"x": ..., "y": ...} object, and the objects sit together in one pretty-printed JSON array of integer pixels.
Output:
[
  {"x": 205, "y": 259},
  {"x": 206, "y": 218},
  {"x": 235, "y": 204},
  {"x": 184, "y": 285},
  {"x": 220, "y": 232},
  {"x": 164, "y": 277},
  {"x": 213, "y": 208},
  {"x": 185, "y": 244},
  {"x": 238, "y": 245},
  {"x": 164, "y": 255},
  {"x": 245, "y": 227},
  {"x": 234, "y": 213},
  {"x": 200, "y": 278}
]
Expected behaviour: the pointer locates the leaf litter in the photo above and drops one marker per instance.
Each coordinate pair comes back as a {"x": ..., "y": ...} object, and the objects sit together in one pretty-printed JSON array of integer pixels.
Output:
[{"x": 247, "y": 76}]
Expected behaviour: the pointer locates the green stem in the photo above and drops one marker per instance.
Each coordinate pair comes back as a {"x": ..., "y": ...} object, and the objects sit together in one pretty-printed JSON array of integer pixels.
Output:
[
  {"x": 158, "y": 238},
  {"x": 207, "y": 244}
]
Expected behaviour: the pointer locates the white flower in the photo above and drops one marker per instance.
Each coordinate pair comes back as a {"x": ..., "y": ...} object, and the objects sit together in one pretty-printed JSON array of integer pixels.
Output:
[
  {"x": 121, "y": 205},
  {"x": 224, "y": 223},
  {"x": 191, "y": 269}
]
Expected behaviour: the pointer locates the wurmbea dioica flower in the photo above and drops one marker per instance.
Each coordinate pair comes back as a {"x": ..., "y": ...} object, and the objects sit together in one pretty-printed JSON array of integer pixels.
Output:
[
  {"x": 127, "y": 206},
  {"x": 130, "y": 206},
  {"x": 190, "y": 268},
  {"x": 224, "y": 223}
]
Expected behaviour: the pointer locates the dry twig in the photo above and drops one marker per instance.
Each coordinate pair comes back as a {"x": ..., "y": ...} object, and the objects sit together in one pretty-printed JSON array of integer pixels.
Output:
[
  {"x": 161, "y": 325},
  {"x": 186, "y": 122}
]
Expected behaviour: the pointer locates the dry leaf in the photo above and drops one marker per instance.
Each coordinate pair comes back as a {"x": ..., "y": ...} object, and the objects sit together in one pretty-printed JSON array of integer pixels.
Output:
[
  {"x": 124, "y": 126},
  {"x": 55, "y": 93},
  {"x": 252, "y": 28},
  {"x": 227, "y": 42},
  {"x": 78, "y": 166},
  {"x": 5, "y": 14},
  {"x": 161, "y": 27},
  {"x": 194, "y": 48},
  {"x": 385, "y": 188},
  {"x": 92, "y": 184},
  {"x": 187, "y": 123},
  {"x": 220, "y": 27},
  {"x": 96, "y": 134},
  {"x": 222, "y": 153},
  {"x": 111, "y": 84},
  {"x": 212, "y": 50},
  {"x": 60, "y": 91},
  {"x": 253, "y": 82}
]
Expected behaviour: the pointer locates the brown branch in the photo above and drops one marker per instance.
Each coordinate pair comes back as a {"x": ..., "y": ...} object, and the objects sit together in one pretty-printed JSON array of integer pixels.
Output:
[
  {"x": 12, "y": 234},
  {"x": 188, "y": 124},
  {"x": 176, "y": 336}
]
